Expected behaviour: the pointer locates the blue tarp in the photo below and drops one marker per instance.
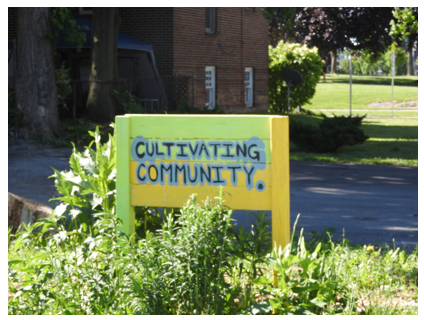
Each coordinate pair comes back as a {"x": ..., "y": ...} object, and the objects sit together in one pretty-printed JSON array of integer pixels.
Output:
[{"x": 124, "y": 41}]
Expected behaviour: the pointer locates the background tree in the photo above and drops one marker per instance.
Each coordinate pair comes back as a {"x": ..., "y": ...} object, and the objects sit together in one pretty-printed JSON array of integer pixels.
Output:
[
  {"x": 400, "y": 59},
  {"x": 370, "y": 59},
  {"x": 281, "y": 23},
  {"x": 104, "y": 68},
  {"x": 405, "y": 24},
  {"x": 332, "y": 29},
  {"x": 36, "y": 93}
]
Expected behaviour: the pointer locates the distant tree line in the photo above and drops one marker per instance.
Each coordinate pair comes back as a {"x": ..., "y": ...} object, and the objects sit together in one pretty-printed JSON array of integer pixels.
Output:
[{"x": 368, "y": 30}]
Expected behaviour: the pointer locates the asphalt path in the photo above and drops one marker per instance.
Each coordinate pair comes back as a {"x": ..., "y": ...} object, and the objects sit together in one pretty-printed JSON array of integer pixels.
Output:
[{"x": 370, "y": 204}]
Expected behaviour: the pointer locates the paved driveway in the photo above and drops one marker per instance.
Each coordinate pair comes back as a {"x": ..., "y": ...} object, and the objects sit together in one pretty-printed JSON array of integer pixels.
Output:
[{"x": 373, "y": 204}]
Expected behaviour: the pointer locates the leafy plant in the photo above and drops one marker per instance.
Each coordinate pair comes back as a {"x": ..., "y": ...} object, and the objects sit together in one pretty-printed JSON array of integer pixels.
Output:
[
  {"x": 301, "y": 59},
  {"x": 330, "y": 135},
  {"x": 127, "y": 102},
  {"x": 400, "y": 59},
  {"x": 185, "y": 108},
  {"x": 89, "y": 187},
  {"x": 76, "y": 262},
  {"x": 66, "y": 27},
  {"x": 63, "y": 84},
  {"x": 190, "y": 257},
  {"x": 406, "y": 22}
]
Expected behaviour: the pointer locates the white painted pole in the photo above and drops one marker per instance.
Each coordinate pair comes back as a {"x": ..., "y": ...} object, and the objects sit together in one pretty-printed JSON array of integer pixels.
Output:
[
  {"x": 350, "y": 83},
  {"x": 393, "y": 75}
]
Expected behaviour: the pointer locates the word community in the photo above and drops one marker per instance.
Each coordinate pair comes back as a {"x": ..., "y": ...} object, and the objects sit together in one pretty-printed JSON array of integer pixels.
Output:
[{"x": 215, "y": 159}]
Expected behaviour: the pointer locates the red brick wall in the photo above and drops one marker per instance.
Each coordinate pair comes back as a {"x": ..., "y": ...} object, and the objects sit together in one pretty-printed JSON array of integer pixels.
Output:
[
  {"x": 181, "y": 45},
  {"x": 154, "y": 26},
  {"x": 241, "y": 41},
  {"x": 12, "y": 23}
]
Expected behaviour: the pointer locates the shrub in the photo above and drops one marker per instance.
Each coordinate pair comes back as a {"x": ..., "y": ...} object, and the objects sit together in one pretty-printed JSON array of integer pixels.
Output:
[
  {"x": 301, "y": 59},
  {"x": 185, "y": 108},
  {"x": 331, "y": 134},
  {"x": 63, "y": 84},
  {"x": 127, "y": 102}
]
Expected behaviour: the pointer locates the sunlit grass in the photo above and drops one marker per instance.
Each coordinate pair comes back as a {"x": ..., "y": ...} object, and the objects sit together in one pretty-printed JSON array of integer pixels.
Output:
[
  {"x": 337, "y": 96},
  {"x": 371, "y": 113},
  {"x": 380, "y": 80}
]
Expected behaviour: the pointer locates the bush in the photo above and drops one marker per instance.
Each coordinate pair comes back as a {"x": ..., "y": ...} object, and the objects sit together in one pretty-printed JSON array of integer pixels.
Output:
[
  {"x": 301, "y": 59},
  {"x": 331, "y": 134},
  {"x": 63, "y": 85}
]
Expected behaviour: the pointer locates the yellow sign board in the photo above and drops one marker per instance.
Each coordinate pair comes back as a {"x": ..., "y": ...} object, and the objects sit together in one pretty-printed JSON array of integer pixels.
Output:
[{"x": 163, "y": 159}]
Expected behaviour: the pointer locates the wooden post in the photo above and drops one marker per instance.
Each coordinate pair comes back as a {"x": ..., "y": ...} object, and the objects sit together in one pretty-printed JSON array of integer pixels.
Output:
[
  {"x": 280, "y": 183},
  {"x": 123, "y": 187}
]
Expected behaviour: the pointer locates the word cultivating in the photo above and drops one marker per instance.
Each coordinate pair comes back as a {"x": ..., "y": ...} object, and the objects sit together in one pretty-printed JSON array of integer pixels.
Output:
[{"x": 246, "y": 156}]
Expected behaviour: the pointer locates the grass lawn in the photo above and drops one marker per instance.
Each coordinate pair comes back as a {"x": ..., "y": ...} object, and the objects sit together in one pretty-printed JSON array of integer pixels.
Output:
[
  {"x": 331, "y": 96},
  {"x": 392, "y": 141},
  {"x": 383, "y": 80}
]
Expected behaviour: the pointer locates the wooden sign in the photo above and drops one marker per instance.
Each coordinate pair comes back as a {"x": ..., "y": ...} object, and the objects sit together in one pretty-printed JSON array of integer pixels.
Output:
[{"x": 163, "y": 159}]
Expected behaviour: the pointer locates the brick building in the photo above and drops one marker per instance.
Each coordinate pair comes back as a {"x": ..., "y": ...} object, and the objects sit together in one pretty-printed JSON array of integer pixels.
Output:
[{"x": 224, "y": 51}]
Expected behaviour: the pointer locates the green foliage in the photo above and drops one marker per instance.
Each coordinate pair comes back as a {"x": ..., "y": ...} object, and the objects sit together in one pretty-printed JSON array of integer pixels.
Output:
[
  {"x": 333, "y": 278},
  {"x": 127, "y": 102},
  {"x": 344, "y": 66},
  {"x": 63, "y": 84},
  {"x": 358, "y": 67},
  {"x": 184, "y": 269},
  {"x": 189, "y": 260},
  {"x": 185, "y": 108},
  {"x": 406, "y": 21},
  {"x": 330, "y": 135},
  {"x": 89, "y": 187},
  {"x": 371, "y": 59},
  {"x": 76, "y": 262},
  {"x": 281, "y": 15},
  {"x": 66, "y": 27},
  {"x": 386, "y": 62},
  {"x": 281, "y": 22},
  {"x": 400, "y": 58},
  {"x": 301, "y": 59}
]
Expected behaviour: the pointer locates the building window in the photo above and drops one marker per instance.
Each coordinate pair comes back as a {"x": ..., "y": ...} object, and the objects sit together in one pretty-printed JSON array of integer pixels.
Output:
[
  {"x": 85, "y": 10},
  {"x": 210, "y": 20},
  {"x": 248, "y": 87},
  {"x": 210, "y": 87}
]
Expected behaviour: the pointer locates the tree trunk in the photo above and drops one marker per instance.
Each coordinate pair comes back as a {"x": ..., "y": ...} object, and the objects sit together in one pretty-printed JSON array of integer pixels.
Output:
[
  {"x": 104, "y": 64},
  {"x": 36, "y": 93},
  {"x": 333, "y": 61}
]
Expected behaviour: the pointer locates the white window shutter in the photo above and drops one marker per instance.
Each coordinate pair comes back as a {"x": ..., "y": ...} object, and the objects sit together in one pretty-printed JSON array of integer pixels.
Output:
[
  {"x": 248, "y": 87},
  {"x": 210, "y": 87}
]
